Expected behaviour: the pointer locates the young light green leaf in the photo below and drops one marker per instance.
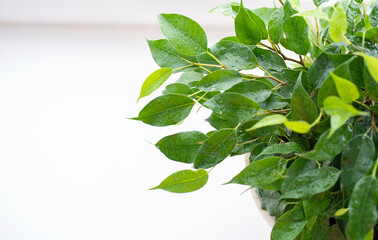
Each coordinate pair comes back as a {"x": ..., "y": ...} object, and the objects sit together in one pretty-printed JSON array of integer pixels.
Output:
[
  {"x": 219, "y": 80},
  {"x": 261, "y": 172},
  {"x": 362, "y": 208},
  {"x": 234, "y": 55},
  {"x": 341, "y": 212},
  {"x": 312, "y": 182},
  {"x": 289, "y": 225},
  {"x": 371, "y": 64},
  {"x": 154, "y": 81},
  {"x": 233, "y": 106},
  {"x": 301, "y": 127},
  {"x": 296, "y": 31},
  {"x": 269, "y": 121},
  {"x": 338, "y": 24},
  {"x": 166, "y": 110},
  {"x": 319, "y": 2},
  {"x": 340, "y": 112},
  {"x": 216, "y": 148},
  {"x": 166, "y": 56},
  {"x": 256, "y": 90},
  {"x": 181, "y": 147},
  {"x": 312, "y": 13},
  {"x": 302, "y": 106},
  {"x": 246, "y": 29},
  {"x": 358, "y": 156},
  {"x": 227, "y": 9},
  {"x": 275, "y": 28},
  {"x": 183, "y": 33},
  {"x": 285, "y": 148},
  {"x": 271, "y": 201},
  {"x": 184, "y": 181},
  {"x": 346, "y": 89},
  {"x": 328, "y": 147}
]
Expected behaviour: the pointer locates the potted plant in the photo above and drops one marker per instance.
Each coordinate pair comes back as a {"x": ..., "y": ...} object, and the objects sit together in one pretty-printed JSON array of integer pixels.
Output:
[{"x": 308, "y": 122}]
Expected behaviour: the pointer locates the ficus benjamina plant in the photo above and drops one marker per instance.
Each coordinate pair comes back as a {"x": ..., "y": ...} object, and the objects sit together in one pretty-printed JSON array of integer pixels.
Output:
[{"x": 296, "y": 91}]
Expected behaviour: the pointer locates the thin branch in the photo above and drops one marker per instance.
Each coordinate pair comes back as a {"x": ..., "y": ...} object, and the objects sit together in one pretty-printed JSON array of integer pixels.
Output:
[
  {"x": 259, "y": 77},
  {"x": 283, "y": 55}
]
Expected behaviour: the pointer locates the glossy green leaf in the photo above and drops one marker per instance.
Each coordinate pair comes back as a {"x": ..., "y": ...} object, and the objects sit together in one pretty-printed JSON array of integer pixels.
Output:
[
  {"x": 362, "y": 208},
  {"x": 183, "y": 33},
  {"x": 319, "y": 2},
  {"x": 234, "y": 55},
  {"x": 317, "y": 231},
  {"x": 261, "y": 172},
  {"x": 316, "y": 204},
  {"x": 270, "y": 120},
  {"x": 302, "y": 106},
  {"x": 154, "y": 81},
  {"x": 339, "y": 111},
  {"x": 257, "y": 91},
  {"x": 233, "y": 106},
  {"x": 358, "y": 156},
  {"x": 347, "y": 91},
  {"x": 371, "y": 86},
  {"x": 298, "y": 126},
  {"x": 166, "y": 110},
  {"x": 190, "y": 77},
  {"x": 312, "y": 182},
  {"x": 219, "y": 80},
  {"x": 372, "y": 34},
  {"x": 264, "y": 13},
  {"x": 285, "y": 148},
  {"x": 181, "y": 147},
  {"x": 313, "y": 13},
  {"x": 257, "y": 150},
  {"x": 271, "y": 201},
  {"x": 269, "y": 60},
  {"x": 227, "y": 9},
  {"x": 298, "y": 167},
  {"x": 166, "y": 56},
  {"x": 327, "y": 89},
  {"x": 178, "y": 88},
  {"x": 216, "y": 148},
  {"x": 327, "y": 148},
  {"x": 275, "y": 28},
  {"x": 218, "y": 122},
  {"x": 259, "y": 22},
  {"x": 296, "y": 31},
  {"x": 246, "y": 29},
  {"x": 184, "y": 181},
  {"x": 338, "y": 24},
  {"x": 371, "y": 64},
  {"x": 289, "y": 225}
]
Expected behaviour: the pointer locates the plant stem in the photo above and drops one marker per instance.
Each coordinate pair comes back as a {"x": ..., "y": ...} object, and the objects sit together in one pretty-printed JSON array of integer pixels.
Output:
[
  {"x": 283, "y": 55},
  {"x": 207, "y": 65},
  {"x": 250, "y": 141},
  {"x": 205, "y": 69},
  {"x": 193, "y": 94},
  {"x": 375, "y": 168},
  {"x": 281, "y": 2},
  {"x": 176, "y": 69},
  {"x": 216, "y": 59},
  {"x": 271, "y": 77}
]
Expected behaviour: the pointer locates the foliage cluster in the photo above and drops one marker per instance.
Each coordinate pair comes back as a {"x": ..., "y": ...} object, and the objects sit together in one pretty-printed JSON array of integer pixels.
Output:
[{"x": 309, "y": 123}]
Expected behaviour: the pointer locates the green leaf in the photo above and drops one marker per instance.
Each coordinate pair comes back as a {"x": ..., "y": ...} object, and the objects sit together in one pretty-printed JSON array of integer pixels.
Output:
[
  {"x": 298, "y": 126},
  {"x": 338, "y": 24},
  {"x": 339, "y": 111},
  {"x": 319, "y": 2},
  {"x": 233, "y": 106},
  {"x": 234, "y": 55},
  {"x": 216, "y": 148},
  {"x": 218, "y": 122},
  {"x": 190, "y": 77},
  {"x": 312, "y": 13},
  {"x": 317, "y": 231},
  {"x": 166, "y": 56},
  {"x": 219, "y": 80},
  {"x": 284, "y": 148},
  {"x": 327, "y": 148},
  {"x": 269, "y": 121},
  {"x": 371, "y": 64},
  {"x": 312, "y": 182},
  {"x": 327, "y": 89},
  {"x": 341, "y": 212},
  {"x": 362, "y": 208},
  {"x": 259, "y": 22},
  {"x": 296, "y": 31},
  {"x": 261, "y": 172},
  {"x": 181, "y": 147},
  {"x": 298, "y": 167},
  {"x": 183, "y": 33},
  {"x": 178, "y": 88},
  {"x": 184, "y": 181},
  {"x": 271, "y": 201},
  {"x": 246, "y": 29},
  {"x": 302, "y": 106},
  {"x": 166, "y": 110},
  {"x": 372, "y": 34},
  {"x": 269, "y": 60},
  {"x": 154, "y": 81},
  {"x": 289, "y": 225},
  {"x": 316, "y": 204},
  {"x": 335, "y": 233},
  {"x": 227, "y": 9},
  {"x": 358, "y": 156},
  {"x": 258, "y": 91},
  {"x": 326, "y": 63},
  {"x": 371, "y": 85},
  {"x": 346, "y": 89},
  {"x": 275, "y": 28},
  {"x": 264, "y": 13}
]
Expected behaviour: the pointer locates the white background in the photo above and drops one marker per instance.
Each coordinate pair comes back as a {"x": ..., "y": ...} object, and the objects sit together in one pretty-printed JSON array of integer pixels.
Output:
[{"x": 71, "y": 165}]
